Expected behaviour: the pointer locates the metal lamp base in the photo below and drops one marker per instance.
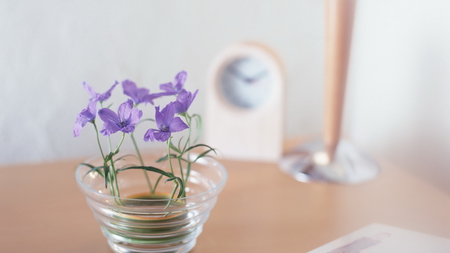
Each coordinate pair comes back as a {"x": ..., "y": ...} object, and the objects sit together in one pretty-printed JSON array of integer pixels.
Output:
[{"x": 309, "y": 162}]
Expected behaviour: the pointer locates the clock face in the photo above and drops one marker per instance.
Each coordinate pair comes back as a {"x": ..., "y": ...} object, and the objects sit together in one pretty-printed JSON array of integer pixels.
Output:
[{"x": 246, "y": 82}]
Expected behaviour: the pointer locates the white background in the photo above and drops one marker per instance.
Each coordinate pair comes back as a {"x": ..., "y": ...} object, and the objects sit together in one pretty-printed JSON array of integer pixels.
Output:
[{"x": 398, "y": 97}]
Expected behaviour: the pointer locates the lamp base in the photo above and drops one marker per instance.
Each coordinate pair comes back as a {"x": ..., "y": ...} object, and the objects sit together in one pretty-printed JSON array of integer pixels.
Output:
[{"x": 309, "y": 162}]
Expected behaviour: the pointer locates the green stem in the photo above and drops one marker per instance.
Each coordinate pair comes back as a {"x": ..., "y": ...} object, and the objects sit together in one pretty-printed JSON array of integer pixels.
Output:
[
  {"x": 188, "y": 171},
  {"x": 109, "y": 138},
  {"x": 172, "y": 195},
  {"x": 188, "y": 142},
  {"x": 149, "y": 184},
  {"x": 98, "y": 140},
  {"x": 120, "y": 144},
  {"x": 111, "y": 187},
  {"x": 115, "y": 183},
  {"x": 181, "y": 169},
  {"x": 168, "y": 155},
  {"x": 109, "y": 143},
  {"x": 171, "y": 170}
]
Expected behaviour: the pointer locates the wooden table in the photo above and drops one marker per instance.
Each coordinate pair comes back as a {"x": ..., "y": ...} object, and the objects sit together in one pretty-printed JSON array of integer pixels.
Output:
[{"x": 260, "y": 210}]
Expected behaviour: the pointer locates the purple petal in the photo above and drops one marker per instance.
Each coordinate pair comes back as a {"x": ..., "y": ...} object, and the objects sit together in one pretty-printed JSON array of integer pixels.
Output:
[
  {"x": 124, "y": 110},
  {"x": 135, "y": 116},
  {"x": 180, "y": 79},
  {"x": 177, "y": 125},
  {"x": 92, "y": 108},
  {"x": 85, "y": 116},
  {"x": 111, "y": 121},
  {"x": 158, "y": 117},
  {"x": 129, "y": 89},
  {"x": 176, "y": 87},
  {"x": 90, "y": 90},
  {"x": 167, "y": 114},
  {"x": 179, "y": 107},
  {"x": 137, "y": 94},
  {"x": 193, "y": 96},
  {"x": 107, "y": 94},
  {"x": 184, "y": 101},
  {"x": 149, "y": 135},
  {"x": 150, "y": 97},
  {"x": 132, "y": 119},
  {"x": 168, "y": 87},
  {"x": 128, "y": 129},
  {"x": 109, "y": 129},
  {"x": 141, "y": 93},
  {"x": 96, "y": 96},
  {"x": 154, "y": 134},
  {"x": 80, "y": 122},
  {"x": 107, "y": 115},
  {"x": 77, "y": 129},
  {"x": 161, "y": 136},
  {"x": 147, "y": 99}
]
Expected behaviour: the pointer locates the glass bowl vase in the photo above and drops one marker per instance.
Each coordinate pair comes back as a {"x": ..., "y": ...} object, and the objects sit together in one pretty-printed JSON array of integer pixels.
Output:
[{"x": 141, "y": 220}]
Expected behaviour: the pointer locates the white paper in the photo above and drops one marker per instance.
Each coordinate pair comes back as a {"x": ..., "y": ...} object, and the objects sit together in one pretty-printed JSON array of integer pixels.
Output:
[{"x": 378, "y": 238}]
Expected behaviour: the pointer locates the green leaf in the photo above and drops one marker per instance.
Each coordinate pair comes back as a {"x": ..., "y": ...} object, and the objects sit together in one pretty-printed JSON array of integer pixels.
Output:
[
  {"x": 200, "y": 145},
  {"x": 96, "y": 169},
  {"x": 109, "y": 156},
  {"x": 87, "y": 164},
  {"x": 179, "y": 144},
  {"x": 171, "y": 196},
  {"x": 147, "y": 168},
  {"x": 179, "y": 181},
  {"x": 198, "y": 119},
  {"x": 174, "y": 148},
  {"x": 106, "y": 169},
  {"x": 188, "y": 171},
  {"x": 182, "y": 187},
  {"x": 159, "y": 171},
  {"x": 204, "y": 154},
  {"x": 165, "y": 158}
]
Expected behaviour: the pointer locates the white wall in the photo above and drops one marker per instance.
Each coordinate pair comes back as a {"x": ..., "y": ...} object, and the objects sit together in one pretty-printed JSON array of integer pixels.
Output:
[
  {"x": 398, "y": 91},
  {"x": 399, "y": 102},
  {"x": 48, "y": 48}
]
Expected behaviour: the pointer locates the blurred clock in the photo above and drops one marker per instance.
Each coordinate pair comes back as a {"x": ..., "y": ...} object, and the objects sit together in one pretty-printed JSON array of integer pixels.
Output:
[
  {"x": 245, "y": 107},
  {"x": 246, "y": 82}
]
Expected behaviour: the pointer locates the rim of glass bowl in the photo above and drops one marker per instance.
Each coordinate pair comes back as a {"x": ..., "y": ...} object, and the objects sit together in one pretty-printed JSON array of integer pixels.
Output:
[{"x": 222, "y": 168}]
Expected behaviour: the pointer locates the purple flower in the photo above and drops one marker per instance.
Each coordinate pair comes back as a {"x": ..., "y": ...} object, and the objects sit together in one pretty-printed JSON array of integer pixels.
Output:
[
  {"x": 184, "y": 100},
  {"x": 177, "y": 86},
  {"x": 97, "y": 96},
  {"x": 85, "y": 116},
  {"x": 139, "y": 95},
  {"x": 125, "y": 119},
  {"x": 167, "y": 124}
]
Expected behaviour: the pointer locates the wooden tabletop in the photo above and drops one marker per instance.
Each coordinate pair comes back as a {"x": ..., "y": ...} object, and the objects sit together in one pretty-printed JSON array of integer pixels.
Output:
[{"x": 260, "y": 210}]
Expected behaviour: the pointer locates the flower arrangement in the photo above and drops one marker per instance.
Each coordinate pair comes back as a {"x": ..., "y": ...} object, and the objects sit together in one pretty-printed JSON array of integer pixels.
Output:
[{"x": 172, "y": 118}]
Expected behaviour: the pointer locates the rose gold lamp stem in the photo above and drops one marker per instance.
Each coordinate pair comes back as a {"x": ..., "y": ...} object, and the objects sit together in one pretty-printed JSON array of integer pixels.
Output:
[
  {"x": 332, "y": 159},
  {"x": 338, "y": 31}
]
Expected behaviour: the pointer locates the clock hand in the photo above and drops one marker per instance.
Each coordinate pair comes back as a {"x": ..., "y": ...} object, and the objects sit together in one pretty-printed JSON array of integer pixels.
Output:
[
  {"x": 237, "y": 73},
  {"x": 257, "y": 76},
  {"x": 249, "y": 80}
]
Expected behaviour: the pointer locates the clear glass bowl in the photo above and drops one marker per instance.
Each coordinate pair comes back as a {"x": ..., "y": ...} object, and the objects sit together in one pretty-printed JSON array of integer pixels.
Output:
[{"x": 134, "y": 224}]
